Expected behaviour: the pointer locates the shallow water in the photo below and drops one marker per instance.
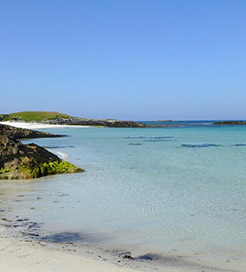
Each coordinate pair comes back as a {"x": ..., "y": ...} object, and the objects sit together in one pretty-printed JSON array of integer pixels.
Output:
[{"x": 160, "y": 189}]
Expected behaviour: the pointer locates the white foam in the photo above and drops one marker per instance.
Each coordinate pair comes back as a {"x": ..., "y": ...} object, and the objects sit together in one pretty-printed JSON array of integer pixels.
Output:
[{"x": 62, "y": 155}]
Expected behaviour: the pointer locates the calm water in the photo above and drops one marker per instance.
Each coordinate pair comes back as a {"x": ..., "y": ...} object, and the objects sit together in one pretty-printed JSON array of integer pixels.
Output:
[{"x": 162, "y": 189}]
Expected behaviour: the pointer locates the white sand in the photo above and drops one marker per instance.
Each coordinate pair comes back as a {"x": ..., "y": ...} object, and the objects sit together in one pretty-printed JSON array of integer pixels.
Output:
[{"x": 34, "y": 125}]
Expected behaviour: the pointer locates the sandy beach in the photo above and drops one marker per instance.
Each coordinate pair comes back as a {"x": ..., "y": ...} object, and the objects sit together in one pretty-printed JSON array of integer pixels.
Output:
[{"x": 34, "y": 125}]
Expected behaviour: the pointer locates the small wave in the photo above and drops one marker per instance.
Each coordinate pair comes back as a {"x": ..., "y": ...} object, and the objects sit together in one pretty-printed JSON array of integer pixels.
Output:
[
  {"x": 199, "y": 145},
  {"x": 62, "y": 155},
  {"x": 55, "y": 147}
]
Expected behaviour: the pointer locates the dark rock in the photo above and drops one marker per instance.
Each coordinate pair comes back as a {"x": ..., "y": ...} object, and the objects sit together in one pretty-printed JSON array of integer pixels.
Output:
[
  {"x": 22, "y": 220},
  {"x": 19, "y": 161},
  {"x": 22, "y": 133},
  {"x": 94, "y": 122},
  {"x": 127, "y": 257}
]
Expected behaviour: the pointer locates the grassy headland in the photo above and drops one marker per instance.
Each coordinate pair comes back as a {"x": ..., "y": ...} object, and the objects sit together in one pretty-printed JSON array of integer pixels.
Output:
[{"x": 33, "y": 116}]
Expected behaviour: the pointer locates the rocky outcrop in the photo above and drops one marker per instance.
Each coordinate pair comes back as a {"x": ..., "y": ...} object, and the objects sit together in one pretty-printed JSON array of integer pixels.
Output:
[
  {"x": 22, "y": 133},
  {"x": 93, "y": 122},
  {"x": 26, "y": 161},
  {"x": 230, "y": 123}
]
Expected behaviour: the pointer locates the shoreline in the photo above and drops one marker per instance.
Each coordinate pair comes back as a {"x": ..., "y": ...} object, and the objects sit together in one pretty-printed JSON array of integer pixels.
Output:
[{"x": 22, "y": 245}]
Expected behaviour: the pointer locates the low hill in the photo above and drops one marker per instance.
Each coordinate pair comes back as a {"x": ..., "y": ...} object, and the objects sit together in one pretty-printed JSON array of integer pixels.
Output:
[
  {"x": 37, "y": 116},
  {"x": 56, "y": 118}
]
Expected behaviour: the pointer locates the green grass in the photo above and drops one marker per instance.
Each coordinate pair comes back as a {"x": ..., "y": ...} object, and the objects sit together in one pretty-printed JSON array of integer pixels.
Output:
[{"x": 38, "y": 116}]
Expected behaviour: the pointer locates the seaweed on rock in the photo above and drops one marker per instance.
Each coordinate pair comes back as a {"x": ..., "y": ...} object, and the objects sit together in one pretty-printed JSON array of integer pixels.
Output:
[{"x": 26, "y": 161}]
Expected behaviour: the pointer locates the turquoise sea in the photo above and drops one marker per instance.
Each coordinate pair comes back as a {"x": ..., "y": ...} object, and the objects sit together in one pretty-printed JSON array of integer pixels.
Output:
[{"x": 180, "y": 190}]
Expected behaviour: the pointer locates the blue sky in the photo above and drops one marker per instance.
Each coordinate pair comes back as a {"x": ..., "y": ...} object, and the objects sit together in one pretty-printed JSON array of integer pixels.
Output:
[{"x": 126, "y": 59}]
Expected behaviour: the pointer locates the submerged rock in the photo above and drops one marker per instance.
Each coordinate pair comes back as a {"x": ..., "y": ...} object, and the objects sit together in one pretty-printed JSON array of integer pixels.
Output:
[{"x": 26, "y": 161}]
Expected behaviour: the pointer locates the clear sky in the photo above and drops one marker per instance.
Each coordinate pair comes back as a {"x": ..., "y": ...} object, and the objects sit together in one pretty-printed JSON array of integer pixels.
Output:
[{"x": 126, "y": 59}]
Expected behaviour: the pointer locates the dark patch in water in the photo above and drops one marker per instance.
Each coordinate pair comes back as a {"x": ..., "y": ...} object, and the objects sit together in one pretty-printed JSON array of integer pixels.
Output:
[
  {"x": 33, "y": 226},
  {"x": 159, "y": 140},
  {"x": 134, "y": 144},
  {"x": 149, "y": 137},
  {"x": 69, "y": 237},
  {"x": 160, "y": 137},
  {"x": 240, "y": 144},
  {"x": 147, "y": 257},
  {"x": 61, "y": 195},
  {"x": 199, "y": 145},
  {"x": 135, "y": 137},
  {"x": 64, "y": 237}
]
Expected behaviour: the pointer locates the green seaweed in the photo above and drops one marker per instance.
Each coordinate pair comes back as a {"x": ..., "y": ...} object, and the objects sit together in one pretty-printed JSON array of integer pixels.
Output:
[
  {"x": 5, "y": 172},
  {"x": 50, "y": 168},
  {"x": 30, "y": 171}
]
